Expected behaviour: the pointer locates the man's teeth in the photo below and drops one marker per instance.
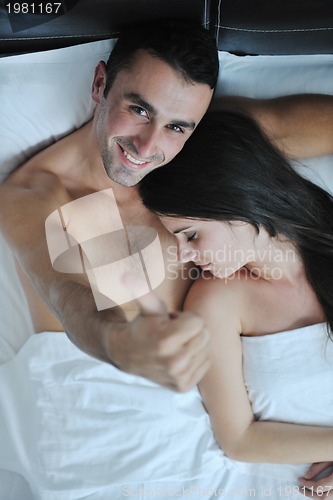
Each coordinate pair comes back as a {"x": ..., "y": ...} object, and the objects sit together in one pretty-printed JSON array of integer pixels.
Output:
[{"x": 133, "y": 160}]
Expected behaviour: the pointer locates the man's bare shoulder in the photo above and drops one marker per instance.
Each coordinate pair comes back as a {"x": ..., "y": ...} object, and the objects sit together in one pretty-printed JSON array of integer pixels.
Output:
[
  {"x": 27, "y": 197},
  {"x": 26, "y": 187},
  {"x": 45, "y": 177}
]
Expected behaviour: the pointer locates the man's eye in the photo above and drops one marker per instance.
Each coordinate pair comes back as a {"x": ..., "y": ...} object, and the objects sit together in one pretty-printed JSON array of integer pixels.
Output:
[
  {"x": 139, "y": 111},
  {"x": 192, "y": 237},
  {"x": 175, "y": 128}
]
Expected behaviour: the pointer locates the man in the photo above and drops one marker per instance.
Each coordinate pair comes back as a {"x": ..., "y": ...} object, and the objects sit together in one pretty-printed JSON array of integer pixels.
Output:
[{"x": 156, "y": 87}]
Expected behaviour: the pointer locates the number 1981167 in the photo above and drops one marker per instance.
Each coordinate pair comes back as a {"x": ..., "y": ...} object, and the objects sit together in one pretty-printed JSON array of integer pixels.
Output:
[
  {"x": 34, "y": 8},
  {"x": 289, "y": 491}
]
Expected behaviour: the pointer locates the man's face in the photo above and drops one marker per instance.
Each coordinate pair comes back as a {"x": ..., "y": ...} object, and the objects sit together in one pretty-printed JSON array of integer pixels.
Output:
[{"x": 146, "y": 118}]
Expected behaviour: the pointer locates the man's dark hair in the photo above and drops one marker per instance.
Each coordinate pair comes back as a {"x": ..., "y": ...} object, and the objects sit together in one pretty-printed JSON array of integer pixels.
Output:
[{"x": 186, "y": 46}]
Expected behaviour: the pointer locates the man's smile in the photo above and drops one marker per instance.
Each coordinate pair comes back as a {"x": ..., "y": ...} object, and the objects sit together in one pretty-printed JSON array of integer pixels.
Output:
[
  {"x": 133, "y": 160},
  {"x": 130, "y": 160}
]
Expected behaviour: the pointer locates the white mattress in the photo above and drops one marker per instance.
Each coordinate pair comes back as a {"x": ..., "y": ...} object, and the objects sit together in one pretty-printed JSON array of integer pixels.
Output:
[{"x": 43, "y": 96}]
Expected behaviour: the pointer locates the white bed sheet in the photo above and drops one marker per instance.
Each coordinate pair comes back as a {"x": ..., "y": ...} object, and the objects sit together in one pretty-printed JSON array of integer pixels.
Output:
[
  {"x": 91, "y": 431},
  {"x": 46, "y": 95}
]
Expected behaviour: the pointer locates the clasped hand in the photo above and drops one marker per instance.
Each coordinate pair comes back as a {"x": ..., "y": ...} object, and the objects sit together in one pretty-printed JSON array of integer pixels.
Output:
[{"x": 171, "y": 349}]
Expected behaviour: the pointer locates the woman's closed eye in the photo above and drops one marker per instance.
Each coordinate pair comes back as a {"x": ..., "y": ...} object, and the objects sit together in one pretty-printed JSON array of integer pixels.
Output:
[{"x": 192, "y": 236}]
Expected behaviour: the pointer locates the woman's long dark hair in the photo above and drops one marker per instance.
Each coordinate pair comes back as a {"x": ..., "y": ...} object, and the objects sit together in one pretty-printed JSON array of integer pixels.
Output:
[{"x": 229, "y": 170}]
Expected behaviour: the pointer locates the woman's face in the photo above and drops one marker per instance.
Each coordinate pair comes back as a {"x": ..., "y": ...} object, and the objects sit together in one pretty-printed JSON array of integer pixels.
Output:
[{"x": 219, "y": 247}]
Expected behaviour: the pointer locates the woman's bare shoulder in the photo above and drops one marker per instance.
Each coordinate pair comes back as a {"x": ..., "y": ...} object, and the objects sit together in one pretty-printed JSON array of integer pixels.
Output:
[
  {"x": 217, "y": 295},
  {"x": 236, "y": 298}
]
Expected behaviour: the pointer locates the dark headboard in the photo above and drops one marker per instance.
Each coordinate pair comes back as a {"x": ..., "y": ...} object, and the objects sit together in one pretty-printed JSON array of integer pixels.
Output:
[
  {"x": 241, "y": 26},
  {"x": 80, "y": 21},
  {"x": 275, "y": 27}
]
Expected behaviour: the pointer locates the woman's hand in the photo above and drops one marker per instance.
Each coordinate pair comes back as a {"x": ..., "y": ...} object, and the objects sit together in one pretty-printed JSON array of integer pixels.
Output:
[{"x": 322, "y": 487}]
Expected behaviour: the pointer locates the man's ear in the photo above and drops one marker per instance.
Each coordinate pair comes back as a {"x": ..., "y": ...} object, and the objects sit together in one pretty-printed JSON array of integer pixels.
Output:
[{"x": 99, "y": 82}]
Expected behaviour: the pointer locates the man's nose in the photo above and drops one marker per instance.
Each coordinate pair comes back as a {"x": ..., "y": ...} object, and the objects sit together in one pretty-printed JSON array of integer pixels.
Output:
[{"x": 147, "y": 141}]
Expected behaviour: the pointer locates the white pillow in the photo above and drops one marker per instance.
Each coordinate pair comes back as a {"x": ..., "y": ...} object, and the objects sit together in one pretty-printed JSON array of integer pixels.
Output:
[
  {"x": 273, "y": 76},
  {"x": 44, "y": 96}
]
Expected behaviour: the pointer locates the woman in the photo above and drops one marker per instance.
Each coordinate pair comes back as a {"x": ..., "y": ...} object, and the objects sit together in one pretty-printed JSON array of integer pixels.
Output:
[{"x": 263, "y": 238}]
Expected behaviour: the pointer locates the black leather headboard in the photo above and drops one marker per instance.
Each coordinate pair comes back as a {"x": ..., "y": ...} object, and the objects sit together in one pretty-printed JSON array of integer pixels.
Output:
[
  {"x": 275, "y": 27},
  {"x": 80, "y": 21},
  {"x": 241, "y": 26}
]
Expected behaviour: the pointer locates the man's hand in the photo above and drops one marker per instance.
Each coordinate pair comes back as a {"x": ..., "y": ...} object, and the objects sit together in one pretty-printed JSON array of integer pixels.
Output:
[
  {"x": 169, "y": 349},
  {"x": 318, "y": 488}
]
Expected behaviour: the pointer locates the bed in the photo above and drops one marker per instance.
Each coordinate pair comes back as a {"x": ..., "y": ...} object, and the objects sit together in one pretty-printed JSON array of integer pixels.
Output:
[{"x": 46, "y": 67}]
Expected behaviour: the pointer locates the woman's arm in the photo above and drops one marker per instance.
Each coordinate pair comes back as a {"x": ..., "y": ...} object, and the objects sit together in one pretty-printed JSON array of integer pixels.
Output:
[
  {"x": 221, "y": 304},
  {"x": 301, "y": 126}
]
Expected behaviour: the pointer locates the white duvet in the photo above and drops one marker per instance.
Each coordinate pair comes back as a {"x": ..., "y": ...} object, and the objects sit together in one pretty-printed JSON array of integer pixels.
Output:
[
  {"x": 72, "y": 425},
  {"x": 76, "y": 428}
]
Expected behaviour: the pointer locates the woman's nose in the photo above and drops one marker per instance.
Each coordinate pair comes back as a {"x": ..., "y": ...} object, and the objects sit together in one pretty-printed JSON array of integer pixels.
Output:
[{"x": 186, "y": 254}]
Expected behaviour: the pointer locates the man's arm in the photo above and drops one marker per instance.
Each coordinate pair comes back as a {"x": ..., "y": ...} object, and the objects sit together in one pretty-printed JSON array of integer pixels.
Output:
[
  {"x": 301, "y": 126},
  {"x": 169, "y": 351}
]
